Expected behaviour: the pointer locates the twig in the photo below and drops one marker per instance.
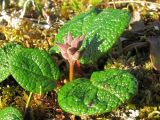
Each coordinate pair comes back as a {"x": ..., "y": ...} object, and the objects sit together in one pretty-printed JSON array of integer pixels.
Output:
[
  {"x": 25, "y": 7},
  {"x": 153, "y": 113},
  {"x": 114, "y": 4},
  {"x": 3, "y": 4},
  {"x": 15, "y": 22},
  {"x": 134, "y": 45}
]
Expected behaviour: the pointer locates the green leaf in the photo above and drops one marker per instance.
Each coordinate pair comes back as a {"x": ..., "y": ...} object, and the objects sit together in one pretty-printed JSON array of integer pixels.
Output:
[
  {"x": 11, "y": 49},
  {"x": 4, "y": 68},
  {"x": 10, "y": 113},
  {"x": 104, "y": 92},
  {"x": 34, "y": 70},
  {"x": 5, "y": 54},
  {"x": 102, "y": 29},
  {"x": 75, "y": 26}
]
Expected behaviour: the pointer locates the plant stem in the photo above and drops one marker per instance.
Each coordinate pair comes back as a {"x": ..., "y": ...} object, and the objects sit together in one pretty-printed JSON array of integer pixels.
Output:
[
  {"x": 28, "y": 101},
  {"x": 78, "y": 65},
  {"x": 27, "y": 104},
  {"x": 71, "y": 71},
  {"x": 114, "y": 5},
  {"x": 3, "y": 4},
  {"x": 25, "y": 7}
]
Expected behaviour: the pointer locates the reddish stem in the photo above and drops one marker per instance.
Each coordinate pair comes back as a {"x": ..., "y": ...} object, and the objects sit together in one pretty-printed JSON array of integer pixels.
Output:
[
  {"x": 79, "y": 68},
  {"x": 71, "y": 71}
]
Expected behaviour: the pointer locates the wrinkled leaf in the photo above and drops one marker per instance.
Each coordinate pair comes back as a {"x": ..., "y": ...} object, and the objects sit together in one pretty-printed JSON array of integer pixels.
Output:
[
  {"x": 10, "y": 113},
  {"x": 5, "y": 54},
  {"x": 4, "y": 69},
  {"x": 34, "y": 70},
  {"x": 105, "y": 91},
  {"x": 11, "y": 49},
  {"x": 101, "y": 27}
]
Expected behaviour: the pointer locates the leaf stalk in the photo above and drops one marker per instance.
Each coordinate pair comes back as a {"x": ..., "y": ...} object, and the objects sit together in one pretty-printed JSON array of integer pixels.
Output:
[{"x": 27, "y": 104}]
